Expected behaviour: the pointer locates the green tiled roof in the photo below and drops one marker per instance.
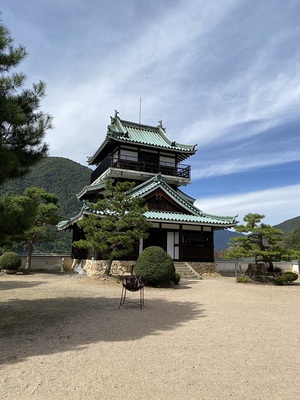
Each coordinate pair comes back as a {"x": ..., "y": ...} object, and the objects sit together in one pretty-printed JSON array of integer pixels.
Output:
[
  {"x": 204, "y": 219},
  {"x": 195, "y": 215},
  {"x": 162, "y": 216},
  {"x": 86, "y": 209},
  {"x": 90, "y": 188},
  {"x": 192, "y": 215},
  {"x": 150, "y": 136}
]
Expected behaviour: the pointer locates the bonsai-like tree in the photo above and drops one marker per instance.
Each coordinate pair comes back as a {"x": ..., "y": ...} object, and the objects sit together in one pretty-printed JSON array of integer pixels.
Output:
[
  {"x": 261, "y": 241},
  {"x": 116, "y": 224},
  {"x": 45, "y": 215},
  {"x": 22, "y": 125}
]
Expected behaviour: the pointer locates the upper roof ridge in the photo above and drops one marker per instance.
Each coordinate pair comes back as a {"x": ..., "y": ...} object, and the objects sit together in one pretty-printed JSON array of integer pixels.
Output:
[{"x": 155, "y": 137}]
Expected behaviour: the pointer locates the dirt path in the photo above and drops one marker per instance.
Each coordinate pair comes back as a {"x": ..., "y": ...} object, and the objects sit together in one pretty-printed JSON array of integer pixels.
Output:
[{"x": 63, "y": 337}]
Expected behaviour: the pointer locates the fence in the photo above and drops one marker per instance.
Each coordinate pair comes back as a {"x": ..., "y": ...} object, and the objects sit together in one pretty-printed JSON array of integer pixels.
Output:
[
  {"x": 51, "y": 262},
  {"x": 228, "y": 266},
  {"x": 61, "y": 262}
]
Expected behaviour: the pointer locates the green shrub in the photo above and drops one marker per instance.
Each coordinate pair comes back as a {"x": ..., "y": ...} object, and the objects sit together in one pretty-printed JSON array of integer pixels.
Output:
[
  {"x": 286, "y": 278},
  {"x": 155, "y": 267},
  {"x": 176, "y": 278},
  {"x": 291, "y": 276},
  {"x": 241, "y": 279},
  {"x": 10, "y": 260}
]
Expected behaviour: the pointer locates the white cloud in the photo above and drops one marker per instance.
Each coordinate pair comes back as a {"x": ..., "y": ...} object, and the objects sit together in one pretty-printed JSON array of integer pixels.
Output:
[
  {"x": 249, "y": 104},
  {"x": 245, "y": 163},
  {"x": 165, "y": 64},
  {"x": 277, "y": 205},
  {"x": 137, "y": 69}
]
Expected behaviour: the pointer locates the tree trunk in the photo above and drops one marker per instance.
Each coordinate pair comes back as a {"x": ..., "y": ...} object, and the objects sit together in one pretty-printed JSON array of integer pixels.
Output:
[
  {"x": 108, "y": 267},
  {"x": 28, "y": 259}
]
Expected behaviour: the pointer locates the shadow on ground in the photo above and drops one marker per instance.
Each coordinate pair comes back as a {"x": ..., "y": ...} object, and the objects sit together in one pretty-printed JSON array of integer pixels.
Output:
[
  {"x": 41, "y": 326},
  {"x": 18, "y": 285}
]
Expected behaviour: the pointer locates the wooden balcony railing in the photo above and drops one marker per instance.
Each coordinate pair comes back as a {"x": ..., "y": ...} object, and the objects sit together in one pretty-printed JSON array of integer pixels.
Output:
[{"x": 181, "y": 170}]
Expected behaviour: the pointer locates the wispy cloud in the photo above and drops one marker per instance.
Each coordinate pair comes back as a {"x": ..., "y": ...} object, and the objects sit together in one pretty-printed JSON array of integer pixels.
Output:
[
  {"x": 245, "y": 163},
  {"x": 255, "y": 100},
  {"x": 277, "y": 205}
]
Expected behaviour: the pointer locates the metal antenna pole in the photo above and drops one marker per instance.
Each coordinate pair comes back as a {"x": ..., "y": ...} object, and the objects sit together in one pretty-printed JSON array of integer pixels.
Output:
[{"x": 140, "y": 115}]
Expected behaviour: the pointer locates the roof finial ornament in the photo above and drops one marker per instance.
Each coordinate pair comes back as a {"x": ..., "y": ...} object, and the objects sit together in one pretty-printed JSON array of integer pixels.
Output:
[
  {"x": 160, "y": 124},
  {"x": 116, "y": 113},
  {"x": 158, "y": 177}
]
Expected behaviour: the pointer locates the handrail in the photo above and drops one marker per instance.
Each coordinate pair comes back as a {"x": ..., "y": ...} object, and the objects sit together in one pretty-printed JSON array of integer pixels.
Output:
[{"x": 129, "y": 163}]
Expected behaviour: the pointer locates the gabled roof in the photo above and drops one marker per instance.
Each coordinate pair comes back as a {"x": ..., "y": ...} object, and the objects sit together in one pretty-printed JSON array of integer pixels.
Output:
[
  {"x": 193, "y": 213},
  {"x": 156, "y": 182},
  {"x": 144, "y": 135}
]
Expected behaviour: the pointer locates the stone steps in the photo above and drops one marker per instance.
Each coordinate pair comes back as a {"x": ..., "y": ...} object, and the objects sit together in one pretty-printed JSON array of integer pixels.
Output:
[{"x": 186, "y": 271}]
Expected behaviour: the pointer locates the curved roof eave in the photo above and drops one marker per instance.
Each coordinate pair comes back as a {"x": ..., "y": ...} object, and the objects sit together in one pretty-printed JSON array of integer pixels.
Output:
[
  {"x": 129, "y": 132},
  {"x": 173, "y": 217},
  {"x": 177, "y": 148}
]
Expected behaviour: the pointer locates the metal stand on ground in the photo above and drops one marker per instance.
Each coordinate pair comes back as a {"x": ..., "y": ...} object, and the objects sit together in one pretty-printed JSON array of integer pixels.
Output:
[{"x": 131, "y": 283}]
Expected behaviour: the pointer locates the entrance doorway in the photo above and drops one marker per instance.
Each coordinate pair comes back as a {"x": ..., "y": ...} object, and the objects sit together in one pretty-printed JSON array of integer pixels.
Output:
[{"x": 156, "y": 237}]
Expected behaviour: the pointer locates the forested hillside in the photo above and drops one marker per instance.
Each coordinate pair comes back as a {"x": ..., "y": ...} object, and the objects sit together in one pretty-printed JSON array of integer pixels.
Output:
[
  {"x": 57, "y": 175},
  {"x": 289, "y": 225},
  {"x": 291, "y": 229}
]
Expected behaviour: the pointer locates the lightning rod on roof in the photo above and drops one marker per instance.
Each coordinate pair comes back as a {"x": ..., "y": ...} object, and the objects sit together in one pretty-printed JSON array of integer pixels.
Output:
[{"x": 140, "y": 114}]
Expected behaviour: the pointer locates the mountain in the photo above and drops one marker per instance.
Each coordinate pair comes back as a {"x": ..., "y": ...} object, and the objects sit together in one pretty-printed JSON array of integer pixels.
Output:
[
  {"x": 60, "y": 176},
  {"x": 289, "y": 225},
  {"x": 221, "y": 239},
  {"x": 57, "y": 175}
]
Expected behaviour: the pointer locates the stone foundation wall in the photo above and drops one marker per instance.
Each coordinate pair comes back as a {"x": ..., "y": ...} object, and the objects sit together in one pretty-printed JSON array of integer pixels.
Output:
[
  {"x": 97, "y": 267},
  {"x": 204, "y": 268}
]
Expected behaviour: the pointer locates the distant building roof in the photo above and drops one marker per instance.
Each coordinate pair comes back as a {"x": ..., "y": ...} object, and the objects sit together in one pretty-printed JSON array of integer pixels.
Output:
[{"x": 149, "y": 136}]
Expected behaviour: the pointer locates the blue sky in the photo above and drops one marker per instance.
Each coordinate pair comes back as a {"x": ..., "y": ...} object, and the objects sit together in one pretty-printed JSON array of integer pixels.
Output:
[{"x": 223, "y": 74}]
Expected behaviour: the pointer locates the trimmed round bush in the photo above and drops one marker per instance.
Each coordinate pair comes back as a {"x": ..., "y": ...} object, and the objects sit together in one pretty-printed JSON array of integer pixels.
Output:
[
  {"x": 286, "y": 278},
  {"x": 291, "y": 276},
  {"x": 155, "y": 267},
  {"x": 10, "y": 260}
]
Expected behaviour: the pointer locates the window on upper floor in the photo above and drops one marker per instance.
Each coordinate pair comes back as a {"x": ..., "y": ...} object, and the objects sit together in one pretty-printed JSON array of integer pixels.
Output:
[
  {"x": 149, "y": 158},
  {"x": 167, "y": 161}
]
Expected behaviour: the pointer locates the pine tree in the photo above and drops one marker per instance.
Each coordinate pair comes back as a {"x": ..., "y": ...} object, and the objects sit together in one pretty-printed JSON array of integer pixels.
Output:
[
  {"x": 116, "y": 224},
  {"x": 16, "y": 215},
  {"x": 22, "y": 125},
  {"x": 261, "y": 241}
]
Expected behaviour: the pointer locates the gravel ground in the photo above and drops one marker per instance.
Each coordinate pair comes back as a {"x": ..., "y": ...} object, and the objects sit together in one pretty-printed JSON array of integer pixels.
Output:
[{"x": 63, "y": 337}]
